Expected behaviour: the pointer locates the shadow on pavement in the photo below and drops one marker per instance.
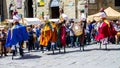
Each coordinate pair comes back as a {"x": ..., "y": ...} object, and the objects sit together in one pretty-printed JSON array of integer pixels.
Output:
[
  {"x": 86, "y": 50},
  {"x": 56, "y": 53},
  {"x": 102, "y": 49},
  {"x": 62, "y": 52},
  {"x": 28, "y": 56}
]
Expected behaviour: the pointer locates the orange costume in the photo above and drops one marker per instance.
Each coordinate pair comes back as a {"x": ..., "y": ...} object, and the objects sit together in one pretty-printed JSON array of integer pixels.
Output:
[
  {"x": 54, "y": 33},
  {"x": 47, "y": 34}
]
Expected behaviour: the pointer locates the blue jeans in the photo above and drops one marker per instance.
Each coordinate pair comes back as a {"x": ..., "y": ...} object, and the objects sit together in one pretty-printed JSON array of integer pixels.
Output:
[
  {"x": 77, "y": 40},
  {"x": 72, "y": 40}
]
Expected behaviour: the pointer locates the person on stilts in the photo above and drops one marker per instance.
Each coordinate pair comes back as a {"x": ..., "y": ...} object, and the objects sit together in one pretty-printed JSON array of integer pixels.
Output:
[
  {"x": 105, "y": 30},
  {"x": 63, "y": 20},
  {"x": 82, "y": 38}
]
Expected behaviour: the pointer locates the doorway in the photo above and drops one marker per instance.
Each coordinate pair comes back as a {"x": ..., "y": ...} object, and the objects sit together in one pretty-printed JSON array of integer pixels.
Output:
[
  {"x": 28, "y": 9},
  {"x": 55, "y": 12}
]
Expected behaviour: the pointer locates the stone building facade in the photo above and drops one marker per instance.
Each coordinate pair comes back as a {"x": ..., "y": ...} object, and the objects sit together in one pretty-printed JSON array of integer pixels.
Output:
[
  {"x": 31, "y": 8},
  {"x": 3, "y": 8},
  {"x": 95, "y": 5}
]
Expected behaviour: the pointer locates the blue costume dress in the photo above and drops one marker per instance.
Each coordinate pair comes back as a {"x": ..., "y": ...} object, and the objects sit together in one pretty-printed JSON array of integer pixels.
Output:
[{"x": 17, "y": 34}]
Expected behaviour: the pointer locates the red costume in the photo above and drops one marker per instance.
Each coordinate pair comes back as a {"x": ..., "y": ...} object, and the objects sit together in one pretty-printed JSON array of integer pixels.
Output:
[
  {"x": 63, "y": 35},
  {"x": 105, "y": 30}
]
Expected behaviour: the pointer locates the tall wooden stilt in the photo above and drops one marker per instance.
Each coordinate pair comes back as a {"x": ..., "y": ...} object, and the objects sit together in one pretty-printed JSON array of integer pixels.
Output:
[
  {"x": 80, "y": 47},
  {"x": 83, "y": 48},
  {"x": 59, "y": 50},
  {"x": 100, "y": 45},
  {"x": 13, "y": 54},
  {"x": 64, "y": 49},
  {"x": 106, "y": 46},
  {"x": 53, "y": 48},
  {"x": 42, "y": 49}
]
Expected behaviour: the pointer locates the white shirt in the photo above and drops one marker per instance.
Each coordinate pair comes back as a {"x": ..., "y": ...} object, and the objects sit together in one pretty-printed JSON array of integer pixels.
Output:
[
  {"x": 83, "y": 17},
  {"x": 71, "y": 32}
]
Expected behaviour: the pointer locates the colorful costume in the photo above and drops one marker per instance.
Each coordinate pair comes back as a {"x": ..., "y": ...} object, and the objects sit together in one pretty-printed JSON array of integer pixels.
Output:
[
  {"x": 54, "y": 33},
  {"x": 48, "y": 33},
  {"x": 62, "y": 30},
  {"x": 105, "y": 30},
  {"x": 18, "y": 33},
  {"x": 63, "y": 35}
]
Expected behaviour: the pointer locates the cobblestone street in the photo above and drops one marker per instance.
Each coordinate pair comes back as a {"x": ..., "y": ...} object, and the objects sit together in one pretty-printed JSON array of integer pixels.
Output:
[{"x": 92, "y": 57}]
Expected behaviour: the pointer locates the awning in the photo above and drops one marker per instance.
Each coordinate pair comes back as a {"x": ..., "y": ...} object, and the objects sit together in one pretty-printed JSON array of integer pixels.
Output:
[
  {"x": 27, "y": 21},
  {"x": 54, "y": 3},
  {"x": 32, "y": 21},
  {"x": 111, "y": 14},
  {"x": 9, "y": 20},
  {"x": 54, "y": 20}
]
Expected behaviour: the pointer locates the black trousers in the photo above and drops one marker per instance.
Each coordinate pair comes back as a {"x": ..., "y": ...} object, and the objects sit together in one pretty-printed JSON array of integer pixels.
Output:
[
  {"x": 30, "y": 46},
  {"x": 20, "y": 49},
  {"x": 3, "y": 49}
]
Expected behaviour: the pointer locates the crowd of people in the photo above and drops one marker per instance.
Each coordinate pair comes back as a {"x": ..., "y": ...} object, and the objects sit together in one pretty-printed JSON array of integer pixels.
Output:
[{"x": 56, "y": 35}]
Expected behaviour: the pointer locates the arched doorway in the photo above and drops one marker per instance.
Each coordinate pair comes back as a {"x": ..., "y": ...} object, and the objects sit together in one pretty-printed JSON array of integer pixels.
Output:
[
  {"x": 55, "y": 12},
  {"x": 28, "y": 9},
  {"x": 54, "y": 9}
]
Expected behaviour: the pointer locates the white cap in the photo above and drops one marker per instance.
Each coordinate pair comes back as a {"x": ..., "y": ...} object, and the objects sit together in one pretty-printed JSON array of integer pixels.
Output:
[
  {"x": 46, "y": 17},
  {"x": 103, "y": 15},
  {"x": 83, "y": 17},
  {"x": 16, "y": 18},
  {"x": 64, "y": 16}
]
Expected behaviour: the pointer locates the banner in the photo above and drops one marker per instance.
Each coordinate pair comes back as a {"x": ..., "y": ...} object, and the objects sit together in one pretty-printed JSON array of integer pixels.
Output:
[
  {"x": 19, "y": 4},
  {"x": 41, "y": 3}
]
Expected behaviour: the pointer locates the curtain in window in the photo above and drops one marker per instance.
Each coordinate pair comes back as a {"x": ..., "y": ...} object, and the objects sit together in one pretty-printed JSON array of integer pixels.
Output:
[
  {"x": 19, "y": 4},
  {"x": 91, "y": 1}
]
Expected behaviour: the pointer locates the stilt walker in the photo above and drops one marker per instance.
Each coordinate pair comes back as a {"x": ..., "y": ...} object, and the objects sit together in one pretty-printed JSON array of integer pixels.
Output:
[
  {"x": 105, "y": 30},
  {"x": 63, "y": 20},
  {"x": 46, "y": 33},
  {"x": 83, "y": 20},
  {"x": 16, "y": 36}
]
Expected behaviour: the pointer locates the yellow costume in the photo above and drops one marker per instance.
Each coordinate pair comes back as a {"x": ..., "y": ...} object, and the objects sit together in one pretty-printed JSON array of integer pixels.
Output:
[
  {"x": 47, "y": 34},
  {"x": 54, "y": 33}
]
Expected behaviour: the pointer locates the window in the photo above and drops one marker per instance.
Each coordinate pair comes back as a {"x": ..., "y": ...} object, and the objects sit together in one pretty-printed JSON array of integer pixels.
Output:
[
  {"x": 117, "y": 3},
  {"x": 19, "y": 4},
  {"x": 91, "y": 1},
  {"x": 54, "y": 3}
]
